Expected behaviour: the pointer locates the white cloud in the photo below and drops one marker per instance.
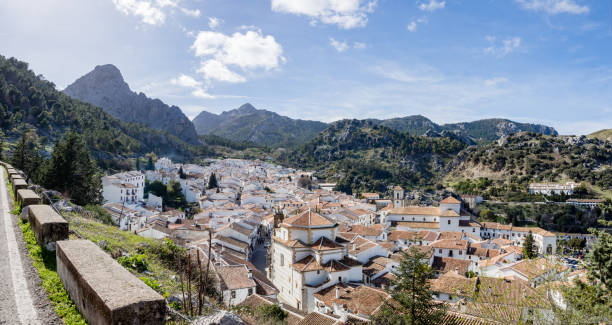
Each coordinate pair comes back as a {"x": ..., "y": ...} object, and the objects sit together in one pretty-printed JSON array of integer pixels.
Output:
[
  {"x": 198, "y": 89},
  {"x": 192, "y": 13},
  {"x": 554, "y": 7},
  {"x": 493, "y": 82},
  {"x": 248, "y": 51},
  {"x": 359, "y": 45},
  {"x": 339, "y": 46},
  {"x": 216, "y": 70},
  {"x": 412, "y": 26},
  {"x": 152, "y": 12},
  {"x": 502, "y": 48},
  {"x": 149, "y": 13},
  {"x": 167, "y": 3},
  {"x": 433, "y": 5},
  {"x": 345, "y": 14},
  {"x": 213, "y": 22}
]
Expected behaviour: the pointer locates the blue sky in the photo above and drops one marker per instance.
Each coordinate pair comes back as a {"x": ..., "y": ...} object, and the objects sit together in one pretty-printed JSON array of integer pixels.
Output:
[{"x": 540, "y": 61}]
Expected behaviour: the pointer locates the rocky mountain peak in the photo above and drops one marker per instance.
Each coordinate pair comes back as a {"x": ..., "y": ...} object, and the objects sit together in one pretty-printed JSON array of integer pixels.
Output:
[{"x": 105, "y": 87}]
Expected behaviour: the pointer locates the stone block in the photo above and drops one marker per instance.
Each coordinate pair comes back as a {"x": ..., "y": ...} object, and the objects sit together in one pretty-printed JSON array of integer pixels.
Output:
[
  {"x": 103, "y": 291},
  {"x": 19, "y": 184},
  {"x": 27, "y": 197},
  {"x": 48, "y": 226}
]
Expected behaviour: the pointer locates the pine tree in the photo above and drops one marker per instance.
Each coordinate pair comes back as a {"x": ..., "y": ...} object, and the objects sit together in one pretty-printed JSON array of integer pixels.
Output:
[
  {"x": 20, "y": 153},
  {"x": 72, "y": 171},
  {"x": 182, "y": 173},
  {"x": 212, "y": 181},
  {"x": 411, "y": 298},
  {"x": 529, "y": 247}
]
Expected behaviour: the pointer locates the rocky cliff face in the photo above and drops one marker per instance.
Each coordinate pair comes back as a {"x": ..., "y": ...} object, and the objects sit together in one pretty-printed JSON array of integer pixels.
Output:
[
  {"x": 104, "y": 87},
  {"x": 259, "y": 126}
]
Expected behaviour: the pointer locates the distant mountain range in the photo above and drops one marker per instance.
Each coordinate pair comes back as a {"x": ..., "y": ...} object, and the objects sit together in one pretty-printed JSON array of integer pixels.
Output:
[
  {"x": 263, "y": 127},
  {"x": 104, "y": 87},
  {"x": 259, "y": 126},
  {"x": 27, "y": 101}
]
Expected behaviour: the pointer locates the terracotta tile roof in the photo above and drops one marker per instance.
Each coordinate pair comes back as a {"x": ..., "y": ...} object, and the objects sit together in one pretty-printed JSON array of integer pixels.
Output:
[
  {"x": 231, "y": 241},
  {"x": 289, "y": 243},
  {"x": 324, "y": 243},
  {"x": 454, "y": 284},
  {"x": 449, "y": 213},
  {"x": 448, "y": 264},
  {"x": 361, "y": 300},
  {"x": 307, "y": 264},
  {"x": 235, "y": 277},
  {"x": 404, "y": 235},
  {"x": 450, "y": 200},
  {"x": 532, "y": 269},
  {"x": 308, "y": 219},
  {"x": 491, "y": 313},
  {"x": 389, "y": 246},
  {"x": 375, "y": 265},
  {"x": 457, "y": 235},
  {"x": 341, "y": 265},
  {"x": 254, "y": 301},
  {"x": 386, "y": 279},
  {"x": 316, "y": 318},
  {"x": 429, "y": 235},
  {"x": 362, "y": 230},
  {"x": 456, "y": 318},
  {"x": 509, "y": 291},
  {"x": 360, "y": 244},
  {"x": 450, "y": 244},
  {"x": 419, "y": 225},
  {"x": 501, "y": 241}
]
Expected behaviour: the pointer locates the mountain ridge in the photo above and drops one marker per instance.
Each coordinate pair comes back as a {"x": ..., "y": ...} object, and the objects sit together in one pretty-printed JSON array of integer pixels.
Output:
[
  {"x": 105, "y": 87},
  {"x": 260, "y": 126}
]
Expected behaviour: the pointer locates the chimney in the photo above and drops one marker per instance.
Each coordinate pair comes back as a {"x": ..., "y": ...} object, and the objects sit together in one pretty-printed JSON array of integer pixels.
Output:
[
  {"x": 337, "y": 292},
  {"x": 250, "y": 274},
  {"x": 456, "y": 270}
]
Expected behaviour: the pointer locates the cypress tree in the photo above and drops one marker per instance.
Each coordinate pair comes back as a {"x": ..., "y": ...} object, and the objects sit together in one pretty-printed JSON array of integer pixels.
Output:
[
  {"x": 212, "y": 181},
  {"x": 528, "y": 246},
  {"x": 182, "y": 173},
  {"x": 150, "y": 165},
  {"x": 137, "y": 163}
]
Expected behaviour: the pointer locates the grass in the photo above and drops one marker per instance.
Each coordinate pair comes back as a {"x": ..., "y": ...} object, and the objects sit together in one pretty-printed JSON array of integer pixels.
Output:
[
  {"x": 159, "y": 273},
  {"x": 45, "y": 263}
]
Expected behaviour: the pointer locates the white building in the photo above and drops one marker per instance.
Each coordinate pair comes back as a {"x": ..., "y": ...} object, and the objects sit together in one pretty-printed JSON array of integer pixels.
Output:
[
  {"x": 123, "y": 187},
  {"x": 546, "y": 241},
  {"x": 552, "y": 188},
  {"x": 164, "y": 164},
  {"x": 235, "y": 282},
  {"x": 307, "y": 257}
]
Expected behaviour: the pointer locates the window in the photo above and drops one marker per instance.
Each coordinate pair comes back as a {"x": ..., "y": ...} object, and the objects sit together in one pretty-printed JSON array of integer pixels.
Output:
[
  {"x": 318, "y": 271},
  {"x": 460, "y": 252},
  {"x": 339, "y": 279},
  {"x": 282, "y": 260},
  {"x": 448, "y": 222},
  {"x": 233, "y": 294},
  {"x": 250, "y": 291},
  {"x": 473, "y": 229},
  {"x": 440, "y": 250}
]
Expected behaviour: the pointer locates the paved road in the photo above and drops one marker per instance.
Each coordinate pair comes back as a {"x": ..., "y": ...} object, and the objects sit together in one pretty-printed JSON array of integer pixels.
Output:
[
  {"x": 22, "y": 299},
  {"x": 259, "y": 258}
]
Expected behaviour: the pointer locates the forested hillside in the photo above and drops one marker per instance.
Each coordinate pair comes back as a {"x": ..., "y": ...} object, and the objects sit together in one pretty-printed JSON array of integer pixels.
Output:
[
  {"x": 500, "y": 169},
  {"x": 28, "y": 101},
  {"x": 360, "y": 156}
]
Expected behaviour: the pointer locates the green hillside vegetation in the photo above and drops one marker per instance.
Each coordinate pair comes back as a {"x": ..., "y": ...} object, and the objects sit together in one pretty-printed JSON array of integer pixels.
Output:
[
  {"x": 361, "y": 156},
  {"x": 29, "y": 101},
  {"x": 605, "y": 134},
  {"x": 524, "y": 158}
]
